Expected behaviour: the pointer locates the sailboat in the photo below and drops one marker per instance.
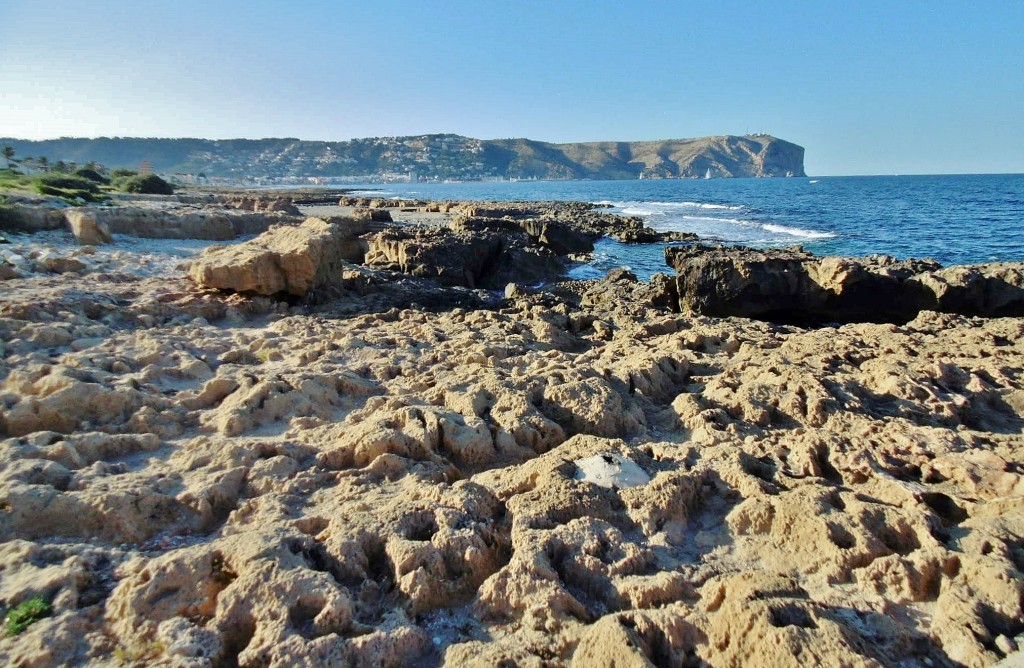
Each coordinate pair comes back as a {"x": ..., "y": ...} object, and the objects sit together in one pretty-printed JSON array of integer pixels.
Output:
[{"x": 707, "y": 174}]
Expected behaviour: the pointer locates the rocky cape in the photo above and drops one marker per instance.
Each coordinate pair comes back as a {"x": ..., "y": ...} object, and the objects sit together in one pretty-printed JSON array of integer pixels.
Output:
[
  {"x": 435, "y": 157},
  {"x": 327, "y": 445}
]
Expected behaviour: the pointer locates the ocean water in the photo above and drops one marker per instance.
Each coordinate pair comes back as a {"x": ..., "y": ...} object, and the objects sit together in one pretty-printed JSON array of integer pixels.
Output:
[{"x": 955, "y": 219}]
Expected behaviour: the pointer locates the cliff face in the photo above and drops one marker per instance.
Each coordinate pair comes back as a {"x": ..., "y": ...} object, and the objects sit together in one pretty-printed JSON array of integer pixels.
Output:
[
  {"x": 435, "y": 156},
  {"x": 724, "y": 156}
]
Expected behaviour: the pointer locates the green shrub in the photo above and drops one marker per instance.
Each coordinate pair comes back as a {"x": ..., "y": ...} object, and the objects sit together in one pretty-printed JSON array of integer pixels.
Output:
[
  {"x": 65, "y": 182},
  {"x": 120, "y": 173},
  {"x": 70, "y": 194},
  {"x": 27, "y": 613},
  {"x": 146, "y": 184},
  {"x": 9, "y": 217},
  {"x": 92, "y": 175}
]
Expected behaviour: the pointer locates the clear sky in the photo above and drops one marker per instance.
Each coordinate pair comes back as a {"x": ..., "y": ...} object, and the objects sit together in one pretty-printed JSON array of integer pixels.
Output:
[{"x": 894, "y": 87}]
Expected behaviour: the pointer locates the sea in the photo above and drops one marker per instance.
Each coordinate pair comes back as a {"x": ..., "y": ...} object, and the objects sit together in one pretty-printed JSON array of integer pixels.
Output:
[{"x": 954, "y": 219}]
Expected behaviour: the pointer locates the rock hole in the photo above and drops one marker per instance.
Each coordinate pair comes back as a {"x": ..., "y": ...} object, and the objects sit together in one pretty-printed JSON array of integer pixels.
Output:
[
  {"x": 999, "y": 623},
  {"x": 235, "y": 639},
  {"x": 593, "y": 591},
  {"x": 828, "y": 471},
  {"x": 420, "y": 525},
  {"x": 319, "y": 559},
  {"x": 932, "y": 476},
  {"x": 942, "y": 505},
  {"x": 301, "y": 617},
  {"x": 1015, "y": 552},
  {"x": 901, "y": 542},
  {"x": 840, "y": 537},
  {"x": 835, "y": 499},
  {"x": 759, "y": 468},
  {"x": 220, "y": 572},
  {"x": 791, "y": 615},
  {"x": 312, "y": 526}
]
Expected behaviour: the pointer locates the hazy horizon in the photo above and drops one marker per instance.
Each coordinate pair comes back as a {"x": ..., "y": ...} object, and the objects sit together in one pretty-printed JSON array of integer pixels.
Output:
[{"x": 866, "y": 89}]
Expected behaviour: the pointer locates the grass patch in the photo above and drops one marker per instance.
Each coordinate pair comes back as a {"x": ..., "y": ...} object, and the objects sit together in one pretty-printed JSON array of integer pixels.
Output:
[
  {"x": 66, "y": 182},
  {"x": 26, "y": 614},
  {"x": 70, "y": 188},
  {"x": 11, "y": 179}
]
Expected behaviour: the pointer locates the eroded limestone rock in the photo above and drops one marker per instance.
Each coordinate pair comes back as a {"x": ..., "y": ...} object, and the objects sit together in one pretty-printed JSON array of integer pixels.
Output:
[{"x": 291, "y": 260}]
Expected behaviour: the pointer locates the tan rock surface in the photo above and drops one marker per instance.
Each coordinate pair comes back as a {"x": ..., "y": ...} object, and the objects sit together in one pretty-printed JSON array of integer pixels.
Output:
[
  {"x": 289, "y": 260},
  {"x": 87, "y": 230},
  {"x": 199, "y": 479}
]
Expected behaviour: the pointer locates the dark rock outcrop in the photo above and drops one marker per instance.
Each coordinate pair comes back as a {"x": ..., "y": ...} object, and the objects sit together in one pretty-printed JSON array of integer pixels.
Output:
[
  {"x": 470, "y": 259},
  {"x": 559, "y": 237},
  {"x": 792, "y": 285},
  {"x": 565, "y": 227}
]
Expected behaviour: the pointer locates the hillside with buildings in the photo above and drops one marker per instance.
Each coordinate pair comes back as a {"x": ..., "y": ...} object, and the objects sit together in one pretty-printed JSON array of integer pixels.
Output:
[{"x": 435, "y": 157}]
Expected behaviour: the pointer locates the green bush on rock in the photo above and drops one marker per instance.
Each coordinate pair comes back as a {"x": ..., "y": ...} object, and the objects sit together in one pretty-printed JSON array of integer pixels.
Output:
[
  {"x": 67, "y": 187},
  {"x": 65, "y": 182},
  {"x": 26, "y": 614},
  {"x": 92, "y": 175},
  {"x": 146, "y": 184}
]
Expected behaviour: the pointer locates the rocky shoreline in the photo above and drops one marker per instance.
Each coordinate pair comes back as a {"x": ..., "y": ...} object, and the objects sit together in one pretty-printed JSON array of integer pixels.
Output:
[{"x": 372, "y": 432}]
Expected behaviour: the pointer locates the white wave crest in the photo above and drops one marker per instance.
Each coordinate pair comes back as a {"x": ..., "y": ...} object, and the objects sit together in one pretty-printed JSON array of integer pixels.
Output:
[
  {"x": 705, "y": 205},
  {"x": 667, "y": 206},
  {"x": 799, "y": 232}
]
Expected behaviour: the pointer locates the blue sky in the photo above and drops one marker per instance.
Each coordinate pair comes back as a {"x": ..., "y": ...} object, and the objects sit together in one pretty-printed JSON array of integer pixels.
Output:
[{"x": 866, "y": 87}]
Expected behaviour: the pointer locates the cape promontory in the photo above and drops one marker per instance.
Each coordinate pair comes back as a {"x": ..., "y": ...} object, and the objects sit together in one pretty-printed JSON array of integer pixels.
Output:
[{"x": 436, "y": 156}]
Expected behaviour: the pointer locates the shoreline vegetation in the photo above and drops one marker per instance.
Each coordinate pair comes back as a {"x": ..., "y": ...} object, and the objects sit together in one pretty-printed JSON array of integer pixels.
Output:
[{"x": 303, "y": 427}]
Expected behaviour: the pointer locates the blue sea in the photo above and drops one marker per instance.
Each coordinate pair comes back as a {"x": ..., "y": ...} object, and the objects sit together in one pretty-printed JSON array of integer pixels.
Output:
[{"x": 955, "y": 219}]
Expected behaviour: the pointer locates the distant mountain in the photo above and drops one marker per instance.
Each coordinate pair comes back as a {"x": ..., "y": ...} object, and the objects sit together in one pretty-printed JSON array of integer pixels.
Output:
[{"x": 441, "y": 156}]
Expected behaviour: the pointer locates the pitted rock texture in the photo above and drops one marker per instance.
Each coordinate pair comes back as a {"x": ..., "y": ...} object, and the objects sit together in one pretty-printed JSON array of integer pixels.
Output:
[{"x": 193, "y": 478}]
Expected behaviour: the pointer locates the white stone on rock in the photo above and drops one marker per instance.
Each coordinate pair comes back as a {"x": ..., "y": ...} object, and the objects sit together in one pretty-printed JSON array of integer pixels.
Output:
[{"x": 611, "y": 470}]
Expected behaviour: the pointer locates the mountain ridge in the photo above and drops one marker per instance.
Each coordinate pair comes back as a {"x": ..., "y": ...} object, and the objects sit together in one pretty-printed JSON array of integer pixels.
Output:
[{"x": 433, "y": 157}]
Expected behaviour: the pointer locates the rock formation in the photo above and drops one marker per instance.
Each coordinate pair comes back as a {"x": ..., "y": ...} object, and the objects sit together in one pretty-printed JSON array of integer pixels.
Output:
[
  {"x": 291, "y": 260},
  {"x": 573, "y": 476},
  {"x": 792, "y": 285},
  {"x": 147, "y": 222},
  {"x": 86, "y": 229}
]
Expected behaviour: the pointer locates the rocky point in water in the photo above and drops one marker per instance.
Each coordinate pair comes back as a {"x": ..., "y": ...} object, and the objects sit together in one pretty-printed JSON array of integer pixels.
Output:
[{"x": 342, "y": 442}]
